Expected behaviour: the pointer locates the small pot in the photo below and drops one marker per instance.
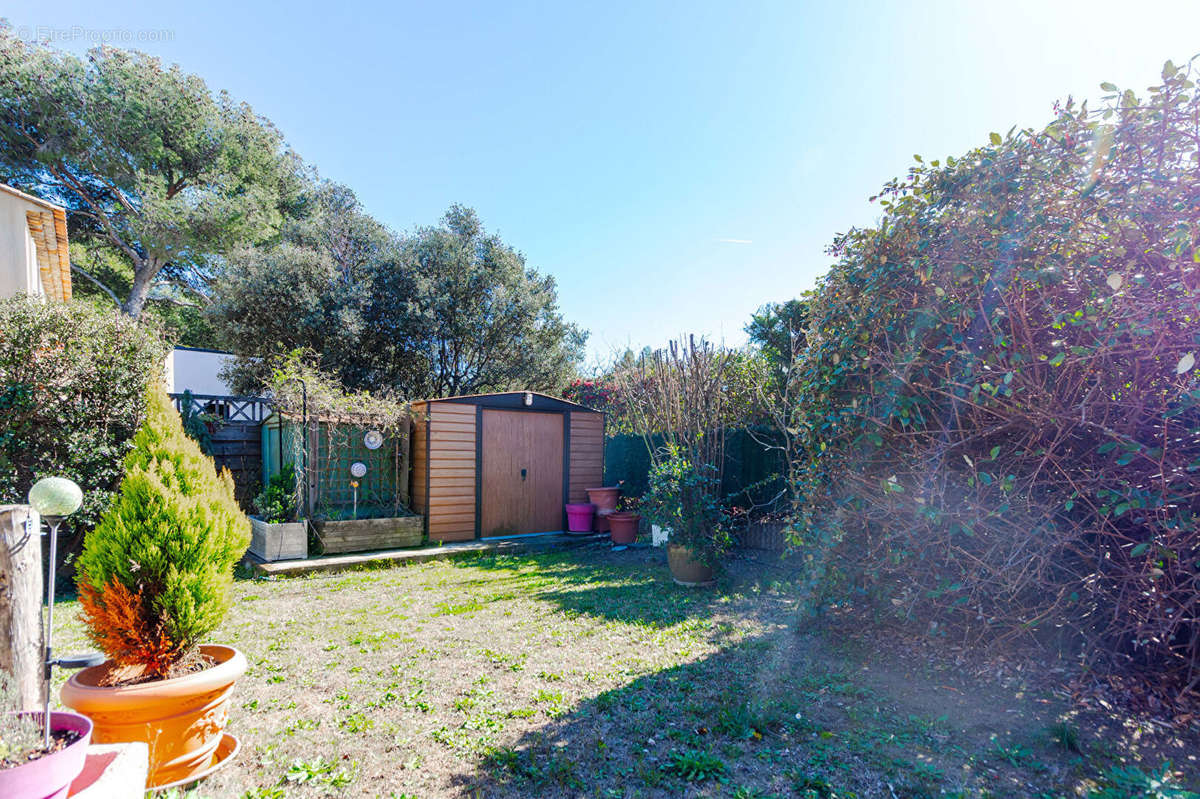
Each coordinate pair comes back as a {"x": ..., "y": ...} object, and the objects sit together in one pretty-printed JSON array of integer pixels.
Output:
[
  {"x": 579, "y": 517},
  {"x": 685, "y": 569},
  {"x": 50, "y": 776},
  {"x": 182, "y": 719},
  {"x": 623, "y": 527}
]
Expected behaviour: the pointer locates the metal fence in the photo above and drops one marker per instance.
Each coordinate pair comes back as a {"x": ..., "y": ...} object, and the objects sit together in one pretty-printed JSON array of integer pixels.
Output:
[{"x": 753, "y": 474}]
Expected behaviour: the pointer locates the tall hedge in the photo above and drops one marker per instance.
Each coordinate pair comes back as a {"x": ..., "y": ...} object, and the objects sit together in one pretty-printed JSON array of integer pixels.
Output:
[
  {"x": 1001, "y": 410},
  {"x": 155, "y": 574},
  {"x": 72, "y": 394}
]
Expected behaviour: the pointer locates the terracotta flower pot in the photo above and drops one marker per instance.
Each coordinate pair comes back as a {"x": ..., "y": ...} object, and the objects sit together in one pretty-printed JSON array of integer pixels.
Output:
[
  {"x": 605, "y": 500},
  {"x": 623, "y": 527},
  {"x": 182, "y": 719},
  {"x": 685, "y": 569},
  {"x": 50, "y": 776}
]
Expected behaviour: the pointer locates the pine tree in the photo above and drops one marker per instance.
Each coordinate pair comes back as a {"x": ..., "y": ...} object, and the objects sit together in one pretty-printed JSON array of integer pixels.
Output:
[{"x": 155, "y": 573}]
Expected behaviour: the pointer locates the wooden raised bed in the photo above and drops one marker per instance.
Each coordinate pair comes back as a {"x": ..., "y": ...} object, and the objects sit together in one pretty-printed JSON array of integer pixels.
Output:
[
  {"x": 284, "y": 541},
  {"x": 361, "y": 535}
]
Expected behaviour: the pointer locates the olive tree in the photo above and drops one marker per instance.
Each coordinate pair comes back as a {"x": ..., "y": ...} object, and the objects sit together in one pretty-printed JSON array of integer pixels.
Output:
[{"x": 449, "y": 309}]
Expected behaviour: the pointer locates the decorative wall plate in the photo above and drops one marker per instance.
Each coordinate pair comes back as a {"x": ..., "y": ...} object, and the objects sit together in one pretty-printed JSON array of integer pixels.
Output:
[
  {"x": 373, "y": 439},
  {"x": 358, "y": 469}
]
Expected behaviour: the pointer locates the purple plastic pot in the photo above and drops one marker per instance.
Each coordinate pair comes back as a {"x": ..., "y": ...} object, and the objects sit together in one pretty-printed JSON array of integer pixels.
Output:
[
  {"x": 50, "y": 776},
  {"x": 579, "y": 517}
]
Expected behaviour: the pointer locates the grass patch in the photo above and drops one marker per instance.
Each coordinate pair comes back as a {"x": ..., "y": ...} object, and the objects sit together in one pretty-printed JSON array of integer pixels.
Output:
[{"x": 589, "y": 673}]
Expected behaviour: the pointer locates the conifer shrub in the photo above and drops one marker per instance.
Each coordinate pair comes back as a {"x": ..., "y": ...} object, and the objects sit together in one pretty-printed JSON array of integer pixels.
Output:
[{"x": 155, "y": 573}]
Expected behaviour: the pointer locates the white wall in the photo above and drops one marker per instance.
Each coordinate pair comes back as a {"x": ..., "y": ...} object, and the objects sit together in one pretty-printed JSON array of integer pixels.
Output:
[
  {"x": 196, "y": 371},
  {"x": 19, "y": 272}
]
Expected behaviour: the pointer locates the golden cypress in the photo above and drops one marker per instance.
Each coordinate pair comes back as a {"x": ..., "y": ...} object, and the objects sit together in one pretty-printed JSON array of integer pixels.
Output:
[{"x": 155, "y": 573}]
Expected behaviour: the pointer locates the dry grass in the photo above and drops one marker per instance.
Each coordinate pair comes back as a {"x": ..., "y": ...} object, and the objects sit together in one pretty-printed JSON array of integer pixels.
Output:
[{"x": 588, "y": 673}]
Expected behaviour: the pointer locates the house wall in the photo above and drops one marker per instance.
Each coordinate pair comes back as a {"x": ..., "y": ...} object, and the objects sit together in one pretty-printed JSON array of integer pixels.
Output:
[
  {"x": 587, "y": 454},
  {"x": 19, "y": 272},
  {"x": 197, "y": 371}
]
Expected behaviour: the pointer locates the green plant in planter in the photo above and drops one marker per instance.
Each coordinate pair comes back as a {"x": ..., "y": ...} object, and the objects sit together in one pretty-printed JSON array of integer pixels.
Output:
[
  {"x": 155, "y": 573},
  {"x": 277, "y": 502},
  {"x": 683, "y": 498}
]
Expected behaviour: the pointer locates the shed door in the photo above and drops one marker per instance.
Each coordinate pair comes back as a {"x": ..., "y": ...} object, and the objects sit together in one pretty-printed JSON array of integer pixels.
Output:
[{"x": 522, "y": 481}]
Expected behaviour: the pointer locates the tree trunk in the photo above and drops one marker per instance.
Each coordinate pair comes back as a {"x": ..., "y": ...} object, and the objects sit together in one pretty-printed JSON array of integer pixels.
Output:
[
  {"x": 21, "y": 645},
  {"x": 143, "y": 276}
]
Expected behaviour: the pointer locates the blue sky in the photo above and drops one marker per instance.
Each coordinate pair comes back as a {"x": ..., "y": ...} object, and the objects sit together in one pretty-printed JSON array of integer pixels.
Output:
[{"x": 673, "y": 165}]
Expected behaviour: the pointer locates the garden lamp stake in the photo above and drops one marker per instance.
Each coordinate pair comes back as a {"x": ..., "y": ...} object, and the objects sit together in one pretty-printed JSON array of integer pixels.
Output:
[
  {"x": 55, "y": 498},
  {"x": 358, "y": 470},
  {"x": 54, "y": 522}
]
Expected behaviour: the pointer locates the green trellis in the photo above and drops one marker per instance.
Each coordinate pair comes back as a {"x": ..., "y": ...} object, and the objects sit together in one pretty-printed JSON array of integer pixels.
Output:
[{"x": 331, "y": 450}]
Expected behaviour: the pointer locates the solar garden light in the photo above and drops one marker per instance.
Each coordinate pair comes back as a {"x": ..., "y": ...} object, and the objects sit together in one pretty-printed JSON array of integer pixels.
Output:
[
  {"x": 358, "y": 470},
  {"x": 56, "y": 498}
]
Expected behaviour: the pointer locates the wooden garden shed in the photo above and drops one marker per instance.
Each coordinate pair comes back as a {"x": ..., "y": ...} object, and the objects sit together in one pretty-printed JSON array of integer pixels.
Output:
[{"x": 502, "y": 464}]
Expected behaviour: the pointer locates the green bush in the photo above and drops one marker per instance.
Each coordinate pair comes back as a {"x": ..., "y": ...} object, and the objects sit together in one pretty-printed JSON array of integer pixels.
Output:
[
  {"x": 684, "y": 498},
  {"x": 72, "y": 394},
  {"x": 277, "y": 502},
  {"x": 155, "y": 573},
  {"x": 1000, "y": 416}
]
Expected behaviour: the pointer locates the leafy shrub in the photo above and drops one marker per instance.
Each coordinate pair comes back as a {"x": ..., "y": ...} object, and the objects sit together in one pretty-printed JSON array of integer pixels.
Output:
[
  {"x": 155, "y": 573},
  {"x": 678, "y": 401},
  {"x": 1000, "y": 418},
  {"x": 682, "y": 497},
  {"x": 277, "y": 502},
  {"x": 72, "y": 394}
]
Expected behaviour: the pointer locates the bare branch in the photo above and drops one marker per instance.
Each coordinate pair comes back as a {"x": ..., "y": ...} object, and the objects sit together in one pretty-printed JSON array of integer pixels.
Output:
[{"x": 111, "y": 294}]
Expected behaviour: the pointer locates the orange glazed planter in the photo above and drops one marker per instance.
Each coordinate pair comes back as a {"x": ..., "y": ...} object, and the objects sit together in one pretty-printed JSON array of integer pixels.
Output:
[{"x": 182, "y": 719}]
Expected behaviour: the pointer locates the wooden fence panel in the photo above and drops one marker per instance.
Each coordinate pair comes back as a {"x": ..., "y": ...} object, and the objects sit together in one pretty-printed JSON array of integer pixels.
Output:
[
  {"x": 235, "y": 425},
  {"x": 771, "y": 536},
  {"x": 237, "y": 446}
]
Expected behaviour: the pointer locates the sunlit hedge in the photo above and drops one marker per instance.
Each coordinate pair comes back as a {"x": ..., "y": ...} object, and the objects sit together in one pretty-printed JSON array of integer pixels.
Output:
[
  {"x": 72, "y": 394},
  {"x": 1000, "y": 400}
]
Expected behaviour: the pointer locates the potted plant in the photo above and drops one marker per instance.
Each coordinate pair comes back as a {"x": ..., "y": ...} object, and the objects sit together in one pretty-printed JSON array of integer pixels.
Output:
[
  {"x": 27, "y": 767},
  {"x": 623, "y": 522},
  {"x": 276, "y": 532},
  {"x": 683, "y": 498},
  {"x": 154, "y": 581},
  {"x": 676, "y": 400}
]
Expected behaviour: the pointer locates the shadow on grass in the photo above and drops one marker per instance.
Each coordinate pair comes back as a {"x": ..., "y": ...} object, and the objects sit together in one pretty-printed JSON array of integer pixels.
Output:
[
  {"x": 633, "y": 587},
  {"x": 782, "y": 715}
]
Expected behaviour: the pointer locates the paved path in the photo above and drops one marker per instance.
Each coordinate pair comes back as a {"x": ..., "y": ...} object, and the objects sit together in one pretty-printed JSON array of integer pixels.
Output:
[{"x": 517, "y": 543}]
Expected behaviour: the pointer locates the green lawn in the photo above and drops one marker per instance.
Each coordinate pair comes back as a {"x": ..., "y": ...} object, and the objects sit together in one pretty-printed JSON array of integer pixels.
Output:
[{"x": 588, "y": 673}]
